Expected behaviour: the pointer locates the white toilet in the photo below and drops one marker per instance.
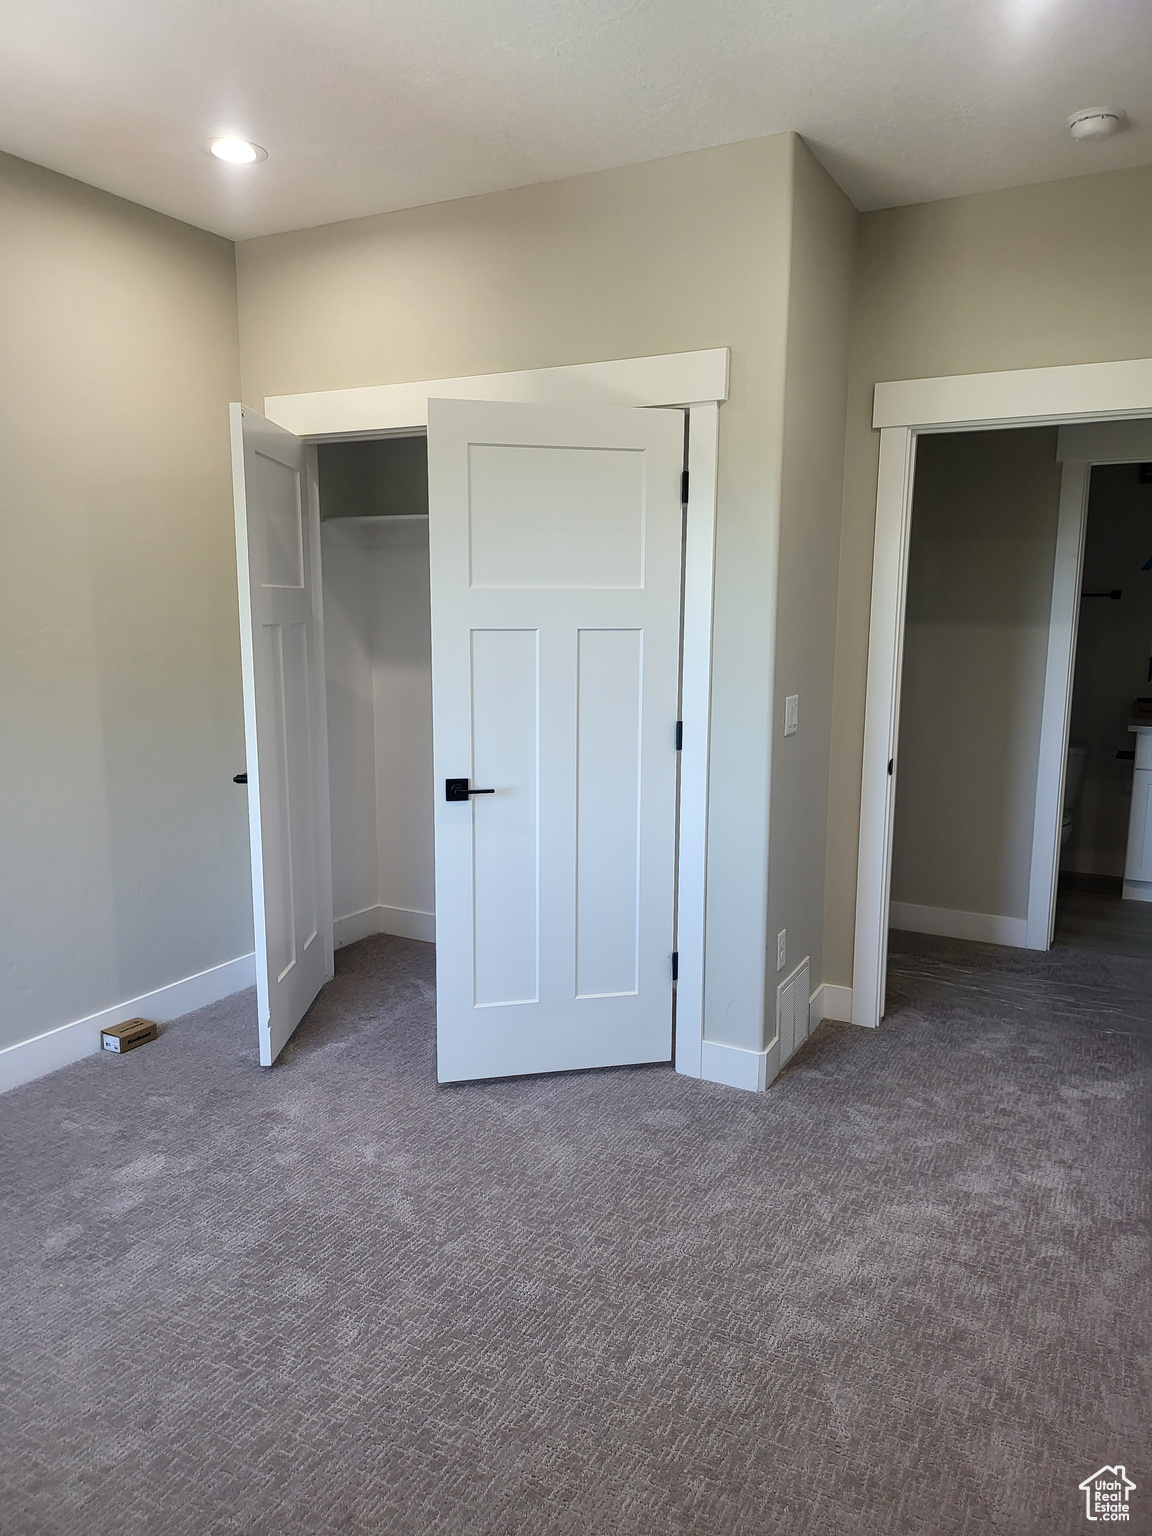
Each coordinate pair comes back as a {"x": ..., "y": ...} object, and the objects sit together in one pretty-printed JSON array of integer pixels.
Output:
[{"x": 1073, "y": 783}]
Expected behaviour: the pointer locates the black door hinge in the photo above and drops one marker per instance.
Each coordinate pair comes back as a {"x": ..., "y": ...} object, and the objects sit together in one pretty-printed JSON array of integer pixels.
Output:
[
  {"x": 684, "y": 489},
  {"x": 891, "y": 763},
  {"x": 675, "y": 965},
  {"x": 679, "y": 735}
]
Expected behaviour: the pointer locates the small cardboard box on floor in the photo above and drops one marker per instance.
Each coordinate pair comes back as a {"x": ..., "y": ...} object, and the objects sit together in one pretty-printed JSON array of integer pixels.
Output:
[{"x": 126, "y": 1037}]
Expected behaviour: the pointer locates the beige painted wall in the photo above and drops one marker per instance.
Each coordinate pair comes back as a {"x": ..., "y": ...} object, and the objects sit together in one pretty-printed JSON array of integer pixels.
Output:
[
  {"x": 816, "y": 384},
  {"x": 690, "y": 252},
  {"x": 975, "y": 650},
  {"x": 1111, "y": 663},
  {"x": 1025, "y": 278},
  {"x": 124, "y": 863}
]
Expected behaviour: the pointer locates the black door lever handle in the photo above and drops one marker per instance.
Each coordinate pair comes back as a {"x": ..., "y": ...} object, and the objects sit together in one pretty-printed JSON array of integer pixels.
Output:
[{"x": 457, "y": 789}]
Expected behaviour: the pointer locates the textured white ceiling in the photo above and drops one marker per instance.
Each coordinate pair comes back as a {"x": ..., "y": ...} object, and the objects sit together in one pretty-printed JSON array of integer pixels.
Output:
[{"x": 370, "y": 105}]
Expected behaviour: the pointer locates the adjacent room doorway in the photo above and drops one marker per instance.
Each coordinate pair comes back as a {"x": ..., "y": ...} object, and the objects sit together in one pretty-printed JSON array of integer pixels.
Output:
[{"x": 1104, "y": 412}]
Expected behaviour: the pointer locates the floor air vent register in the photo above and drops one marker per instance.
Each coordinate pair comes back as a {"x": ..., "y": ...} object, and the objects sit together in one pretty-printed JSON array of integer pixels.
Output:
[{"x": 792, "y": 1011}]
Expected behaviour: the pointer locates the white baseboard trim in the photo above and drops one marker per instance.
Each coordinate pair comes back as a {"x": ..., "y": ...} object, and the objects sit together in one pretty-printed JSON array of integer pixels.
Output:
[
  {"x": 29, "y": 1059},
  {"x": 356, "y": 926},
  {"x": 830, "y": 1002},
  {"x": 738, "y": 1068},
  {"x": 985, "y": 927},
  {"x": 407, "y": 924},
  {"x": 401, "y": 921},
  {"x": 1138, "y": 890},
  {"x": 754, "y": 1070}
]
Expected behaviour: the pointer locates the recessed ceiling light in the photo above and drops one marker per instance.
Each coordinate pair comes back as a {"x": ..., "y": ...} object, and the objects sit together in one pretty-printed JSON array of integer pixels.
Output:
[
  {"x": 1095, "y": 123},
  {"x": 237, "y": 151}
]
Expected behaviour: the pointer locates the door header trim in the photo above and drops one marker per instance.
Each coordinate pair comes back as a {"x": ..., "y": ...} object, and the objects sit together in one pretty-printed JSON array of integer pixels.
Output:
[
  {"x": 1018, "y": 397},
  {"x": 677, "y": 378}
]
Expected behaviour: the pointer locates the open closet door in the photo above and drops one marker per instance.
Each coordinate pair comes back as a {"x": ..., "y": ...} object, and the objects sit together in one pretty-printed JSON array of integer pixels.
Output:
[
  {"x": 555, "y": 542},
  {"x": 277, "y": 564}
]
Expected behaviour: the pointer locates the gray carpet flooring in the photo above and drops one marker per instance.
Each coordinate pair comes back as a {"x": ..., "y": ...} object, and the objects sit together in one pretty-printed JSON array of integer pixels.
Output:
[{"x": 905, "y": 1291}]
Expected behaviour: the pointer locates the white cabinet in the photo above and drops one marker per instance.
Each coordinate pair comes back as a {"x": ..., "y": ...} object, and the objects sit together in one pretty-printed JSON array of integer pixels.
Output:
[{"x": 1138, "y": 865}]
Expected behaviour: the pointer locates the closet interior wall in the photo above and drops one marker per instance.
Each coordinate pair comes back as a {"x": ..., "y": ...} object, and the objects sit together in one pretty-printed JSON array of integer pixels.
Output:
[{"x": 378, "y": 665}]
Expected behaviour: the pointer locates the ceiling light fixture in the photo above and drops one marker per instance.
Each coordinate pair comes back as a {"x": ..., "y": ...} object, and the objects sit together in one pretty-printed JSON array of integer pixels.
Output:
[
  {"x": 1095, "y": 123},
  {"x": 237, "y": 151}
]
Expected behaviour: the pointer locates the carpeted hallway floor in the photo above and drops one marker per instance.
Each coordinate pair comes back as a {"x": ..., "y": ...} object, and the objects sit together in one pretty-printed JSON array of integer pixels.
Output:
[{"x": 902, "y": 1292}]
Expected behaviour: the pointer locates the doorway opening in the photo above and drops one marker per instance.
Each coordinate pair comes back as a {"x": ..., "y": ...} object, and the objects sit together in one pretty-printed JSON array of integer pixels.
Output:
[
  {"x": 980, "y": 597},
  {"x": 1104, "y": 898},
  {"x": 286, "y": 439},
  {"x": 1103, "y": 413},
  {"x": 522, "y": 650},
  {"x": 979, "y": 590},
  {"x": 567, "y": 569},
  {"x": 373, "y": 499}
]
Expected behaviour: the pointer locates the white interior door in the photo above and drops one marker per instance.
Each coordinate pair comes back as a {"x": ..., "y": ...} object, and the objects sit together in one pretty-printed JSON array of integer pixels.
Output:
[
  {"x": 278, "y": 570},
  {"x": 555, "y": 542}
]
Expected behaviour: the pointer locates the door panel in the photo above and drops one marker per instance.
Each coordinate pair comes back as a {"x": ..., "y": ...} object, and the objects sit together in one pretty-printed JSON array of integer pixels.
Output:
[
  {"x": 277, "y": 550},
  {"x": 555, "y": 539},
  {"x": 544, "y": 517},
  {"x": 608, "y": 785},
  {"x": 505, "y": 840}
]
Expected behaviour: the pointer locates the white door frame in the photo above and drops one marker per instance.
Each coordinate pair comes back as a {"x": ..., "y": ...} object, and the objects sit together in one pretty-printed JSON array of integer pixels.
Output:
[
  {"x": 695, "y": 381},
  {"x": 903, "y": 411}
]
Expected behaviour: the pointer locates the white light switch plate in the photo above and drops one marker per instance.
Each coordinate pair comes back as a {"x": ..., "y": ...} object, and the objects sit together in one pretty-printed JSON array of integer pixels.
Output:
[{"x": 791, "y": 714}]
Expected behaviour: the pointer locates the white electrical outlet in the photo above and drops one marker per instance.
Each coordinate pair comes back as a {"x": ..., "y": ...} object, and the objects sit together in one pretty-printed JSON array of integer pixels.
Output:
[
  {"x": 781, "y": 949},
  {"x": 791, "y": 714}
]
